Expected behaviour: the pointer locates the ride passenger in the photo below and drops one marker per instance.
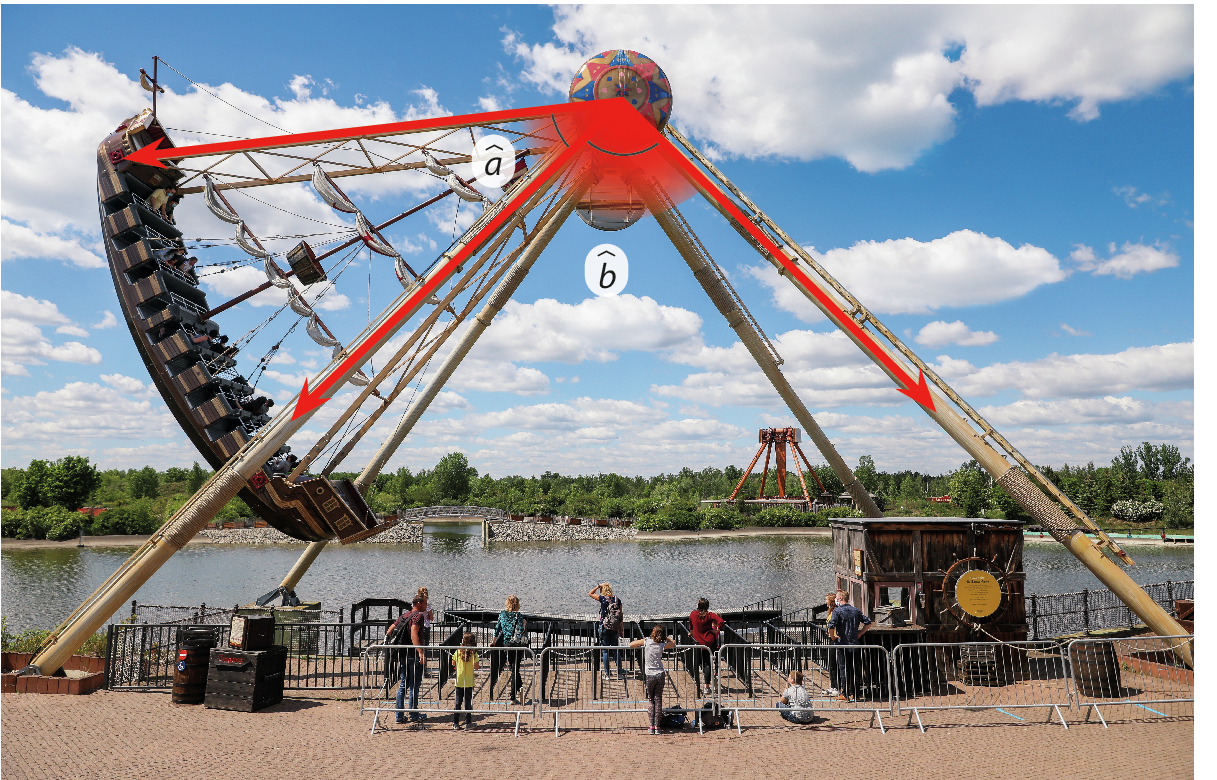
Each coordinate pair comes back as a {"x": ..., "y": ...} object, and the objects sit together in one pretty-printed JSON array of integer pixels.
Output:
[
  {"x": 705, "y": 627},
  {"x": 466, "y": 662},
  {"x": 652, "y": 664},
  {"x": 159, "y": 200},
  {"x": 511, "y": 631},
  {"x": 612, "y": 620}
]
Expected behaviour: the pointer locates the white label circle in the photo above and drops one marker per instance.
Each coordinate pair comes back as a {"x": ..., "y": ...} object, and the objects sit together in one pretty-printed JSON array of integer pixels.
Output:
[
  {"x": 606, "y": 270},
  {"x": 494, "y": 160}
]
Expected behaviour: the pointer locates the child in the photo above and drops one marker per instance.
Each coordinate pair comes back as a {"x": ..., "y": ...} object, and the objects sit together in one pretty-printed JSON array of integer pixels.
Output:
[
  {"x": 652, "y": 658},
  {"x": 466, "y": 662},
  {"x": 794, "y": 705}
]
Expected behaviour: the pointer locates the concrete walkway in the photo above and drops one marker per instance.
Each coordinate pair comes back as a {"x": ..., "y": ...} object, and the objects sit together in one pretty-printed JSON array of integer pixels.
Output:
[{"x": 143, "y": 735}]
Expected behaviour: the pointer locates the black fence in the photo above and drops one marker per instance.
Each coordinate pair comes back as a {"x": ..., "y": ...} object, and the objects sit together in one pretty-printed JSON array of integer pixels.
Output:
[
  {"x": 1061, "y": 614},
  {"x": 167, "y": 614}
]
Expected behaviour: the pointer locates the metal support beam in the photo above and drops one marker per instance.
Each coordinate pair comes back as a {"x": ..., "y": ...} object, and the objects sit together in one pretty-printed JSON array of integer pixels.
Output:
[{"x": 544, "y": 233}]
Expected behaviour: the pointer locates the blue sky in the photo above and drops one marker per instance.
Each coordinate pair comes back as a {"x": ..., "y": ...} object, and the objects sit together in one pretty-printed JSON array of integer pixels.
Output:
[{"x": 1010, "y": 188}]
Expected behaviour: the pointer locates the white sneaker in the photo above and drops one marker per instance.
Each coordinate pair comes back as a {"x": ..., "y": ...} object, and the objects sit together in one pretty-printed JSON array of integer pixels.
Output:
[{"x": 831, "y": 691}]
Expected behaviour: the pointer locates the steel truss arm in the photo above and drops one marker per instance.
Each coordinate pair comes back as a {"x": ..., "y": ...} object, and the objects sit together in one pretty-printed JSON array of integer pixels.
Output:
[
  {"x": 1063, "y": 528},
  {"x": 532, "y": 248},
  {"x": 694, "y": 253}
]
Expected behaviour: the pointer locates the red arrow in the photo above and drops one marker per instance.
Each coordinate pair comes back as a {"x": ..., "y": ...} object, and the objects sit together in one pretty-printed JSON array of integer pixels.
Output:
[
  {"x": 918, "y": 390},
  {"x": 152, "y": 155},
  {"x": 309, "y": 400}
]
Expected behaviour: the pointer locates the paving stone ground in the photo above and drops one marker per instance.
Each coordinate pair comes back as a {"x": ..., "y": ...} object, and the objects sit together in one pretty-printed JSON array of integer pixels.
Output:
[{"x": 111, "y": 734}]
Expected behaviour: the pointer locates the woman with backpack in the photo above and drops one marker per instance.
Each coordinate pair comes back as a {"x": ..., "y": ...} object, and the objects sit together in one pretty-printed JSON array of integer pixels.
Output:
[
  {"x": 511, "y": 630},
  {"x": 612, "y": 620},
  {"x": 652, "y": 663}
]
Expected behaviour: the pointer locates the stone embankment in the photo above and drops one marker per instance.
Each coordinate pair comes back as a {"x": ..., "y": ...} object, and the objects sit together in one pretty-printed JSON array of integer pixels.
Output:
[
  {"x": 402, "y": 533},
  {"x": 552, "y": 532}
]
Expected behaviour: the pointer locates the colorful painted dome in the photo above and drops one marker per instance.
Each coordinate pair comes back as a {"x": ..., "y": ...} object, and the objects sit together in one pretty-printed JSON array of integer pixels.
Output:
[{"x": 627, "y": 74}]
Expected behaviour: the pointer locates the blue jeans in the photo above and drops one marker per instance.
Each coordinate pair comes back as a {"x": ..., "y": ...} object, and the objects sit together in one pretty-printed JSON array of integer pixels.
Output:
[
  {"x": 412, "y": 678},
  {"x": 784, "y": 711},
  {"x": 610, "y": 638}
]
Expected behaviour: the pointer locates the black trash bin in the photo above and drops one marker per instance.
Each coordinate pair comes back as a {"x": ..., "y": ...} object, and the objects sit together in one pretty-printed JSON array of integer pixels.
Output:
[{"x": 193, "y": 657}]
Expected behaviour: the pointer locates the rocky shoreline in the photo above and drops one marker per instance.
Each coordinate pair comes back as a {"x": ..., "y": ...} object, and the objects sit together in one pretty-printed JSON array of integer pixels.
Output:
[
  {"x": 553, "y": 532},
  {"x": 402, "y": 533}
]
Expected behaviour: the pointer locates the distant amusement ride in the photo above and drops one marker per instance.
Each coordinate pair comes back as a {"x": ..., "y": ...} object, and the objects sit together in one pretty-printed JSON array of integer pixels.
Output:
[{"x": 609, "y": 155}]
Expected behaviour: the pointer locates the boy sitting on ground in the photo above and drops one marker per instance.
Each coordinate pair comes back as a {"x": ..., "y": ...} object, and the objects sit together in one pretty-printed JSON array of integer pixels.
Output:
[{"x": 795, "y": 703}]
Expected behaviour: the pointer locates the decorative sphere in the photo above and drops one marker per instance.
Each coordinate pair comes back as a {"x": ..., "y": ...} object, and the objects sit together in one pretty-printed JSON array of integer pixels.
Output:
[{"x": 628, "y": 74}]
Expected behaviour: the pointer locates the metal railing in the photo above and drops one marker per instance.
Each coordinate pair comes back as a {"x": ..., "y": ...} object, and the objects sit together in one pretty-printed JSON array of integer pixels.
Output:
[
  {"x": 1132, "y": 672},
  {"x": 1000, "y": 676},
  {"x": 1060, "y": 614},
  {"x": 841, "y": 678},
  {"x": 575, "y": 684},
  {"x": 386, "y": 667}
]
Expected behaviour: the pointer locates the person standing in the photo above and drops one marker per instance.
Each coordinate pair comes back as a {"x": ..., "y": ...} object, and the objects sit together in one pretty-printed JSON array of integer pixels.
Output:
[
  {"x": 845, "y": 621},
  {"x": 704, "y": 627},
  {"x": 652, "y": 664},
  {"x": 511, "y": 631},
  {"x": 411, "y": 675},
  {"x": 612, "y": 620},
  {"x": 466, "y": 662},
  {"x": 794, "y": 705}
]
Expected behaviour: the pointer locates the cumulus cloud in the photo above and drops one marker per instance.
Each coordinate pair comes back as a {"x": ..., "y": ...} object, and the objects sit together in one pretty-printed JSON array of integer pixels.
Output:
[
  {"x": 23, "y": 341},
  {"x": 1070, "y": 412},
  {"x": 907, "y": 276},
  {"x": 85, "y": 410},
  {"x": 18, "y": 241},
  {"x": 108, "y": 320},
  {"x": 1158, "y": 368},
  {"x": 1127, "y": 261},
  {"x": 870, "y": 85},
  {"x": 939, "y": 333}
]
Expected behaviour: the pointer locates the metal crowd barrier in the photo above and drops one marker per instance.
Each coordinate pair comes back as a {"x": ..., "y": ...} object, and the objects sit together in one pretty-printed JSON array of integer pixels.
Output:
[
  {"x": 380, "y": 676},
  {"x": 575, "y": 684},
  {"x": 1000, "y": 676},
  {"x": 1132, "y": 672},
  {"x": 753, "y": 677}
]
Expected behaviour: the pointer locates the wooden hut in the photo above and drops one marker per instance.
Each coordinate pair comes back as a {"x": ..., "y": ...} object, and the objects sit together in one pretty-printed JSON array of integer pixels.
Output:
[{"x": 948, "y": 579}]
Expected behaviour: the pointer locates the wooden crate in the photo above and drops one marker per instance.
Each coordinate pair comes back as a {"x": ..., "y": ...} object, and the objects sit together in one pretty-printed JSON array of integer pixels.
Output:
[{"x": 245, "y": 680}]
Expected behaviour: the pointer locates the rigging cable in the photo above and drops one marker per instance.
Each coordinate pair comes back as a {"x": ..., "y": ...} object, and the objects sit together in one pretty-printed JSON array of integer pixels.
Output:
[{"x": 222, "y": 100}]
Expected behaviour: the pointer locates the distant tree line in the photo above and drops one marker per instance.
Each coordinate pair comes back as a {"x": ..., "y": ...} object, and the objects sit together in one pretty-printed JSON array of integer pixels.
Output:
[{"x": 1145, "y": 484}]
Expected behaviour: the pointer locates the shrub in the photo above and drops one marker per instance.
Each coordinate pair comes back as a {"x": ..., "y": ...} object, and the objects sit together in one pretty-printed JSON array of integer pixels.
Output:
[
  {"x": 653, "y": 522},
  {"x": 42, "y": 522},
  {"x": 1138, "y": 511},
  {"x": 683, "y": 520},
  {"x": 616, "y": 507},
  {"x": 783, "y": 517},
  {"x": 720, "y": 519},
  {"x": 138, "y": 518}
]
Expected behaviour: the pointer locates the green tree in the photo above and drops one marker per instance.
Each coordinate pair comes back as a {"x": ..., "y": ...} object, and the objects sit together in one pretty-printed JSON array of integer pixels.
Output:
[
  {"x": 69, "y": 482},
  {"x": 1179, "y": 498},
  {"x": 969, "y": 491},
  {"x": 31, "y": 492},
  {"x": 145, "y": 483},
  {"x": 451, "y": 477},
  {"x": 867, "y": 474},
  {"x": 196, "y": 478},
  {"x": 910, "y": 487},
  {"x": 9, "y": 480}
]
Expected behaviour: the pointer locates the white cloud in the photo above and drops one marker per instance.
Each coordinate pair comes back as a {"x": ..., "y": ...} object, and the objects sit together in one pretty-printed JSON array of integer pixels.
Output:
[
  {"x": 1074, "y": 331},
  {"x": 907, "y": 276},
  {"x": 1070, "y": 412},
  {"x": 23, "y": 342},
  {"x": 1134, "y": 198},
  {"x": 86, "y": 410},
  {"x": 939, "y": 332},
  {"x": 124, "y": 384},
  {"x": 1129, "y": 260},
  {"x": 869, "y": 84},
  {"x": 72, "y": 330},
  {"x": 108, "y": 320},
  {"x": 19, "y": 241},
  {"x": 1157, "y": 368}
]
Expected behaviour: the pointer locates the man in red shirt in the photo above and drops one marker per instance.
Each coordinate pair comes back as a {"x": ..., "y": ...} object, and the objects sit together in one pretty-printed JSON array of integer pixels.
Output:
[{"x": 705, "y": 626}]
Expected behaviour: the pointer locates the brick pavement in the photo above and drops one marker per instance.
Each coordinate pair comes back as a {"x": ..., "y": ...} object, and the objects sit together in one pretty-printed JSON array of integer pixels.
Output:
[{"x": 143, "y": 735}]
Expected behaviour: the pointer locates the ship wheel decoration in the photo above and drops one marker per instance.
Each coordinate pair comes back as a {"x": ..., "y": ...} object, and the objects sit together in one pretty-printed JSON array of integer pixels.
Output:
[{"x": 975, "y": 591}]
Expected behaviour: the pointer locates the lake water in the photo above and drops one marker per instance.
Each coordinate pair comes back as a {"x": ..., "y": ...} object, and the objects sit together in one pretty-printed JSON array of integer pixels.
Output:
[{"x": 40, "y": 587}]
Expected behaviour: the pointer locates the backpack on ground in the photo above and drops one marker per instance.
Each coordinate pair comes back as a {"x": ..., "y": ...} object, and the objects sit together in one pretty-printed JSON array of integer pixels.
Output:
[
  {"x": 674, "y": 718},
  {"x": 613, "y": 618},
  {"x": 711, "y": 717}
]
